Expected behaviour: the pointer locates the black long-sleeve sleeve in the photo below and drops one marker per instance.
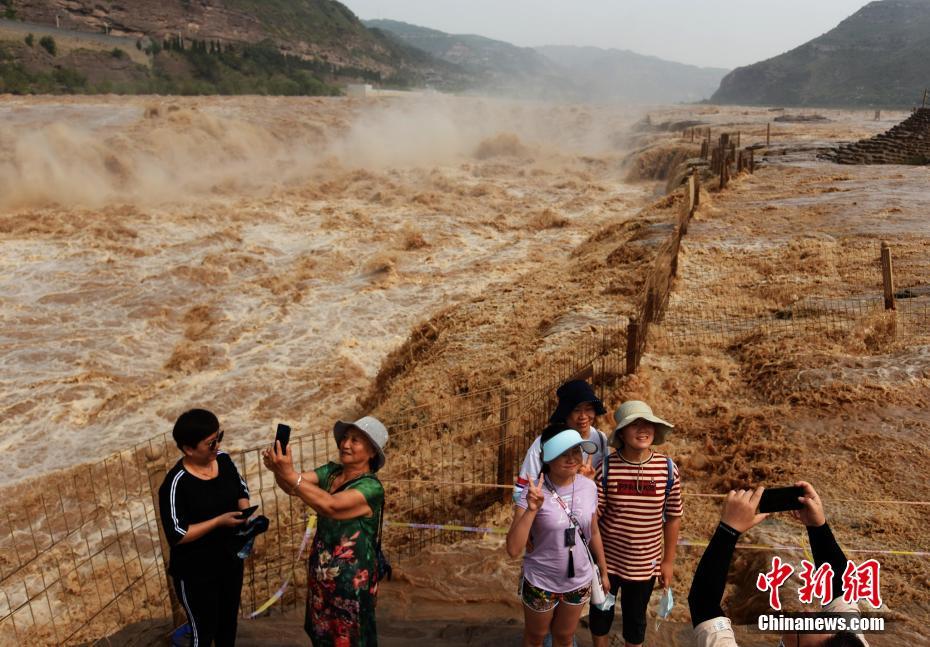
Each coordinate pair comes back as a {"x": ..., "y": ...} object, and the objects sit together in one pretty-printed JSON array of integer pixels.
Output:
[
  {"x": 710, "y": 578},
  {"x": 826, "y": 550}
]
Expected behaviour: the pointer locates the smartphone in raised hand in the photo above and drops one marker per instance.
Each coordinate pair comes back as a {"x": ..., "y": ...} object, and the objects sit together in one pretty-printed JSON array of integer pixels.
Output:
[
  {"x": 283, "y": 435},
  {"x": 780, "y": 499}
]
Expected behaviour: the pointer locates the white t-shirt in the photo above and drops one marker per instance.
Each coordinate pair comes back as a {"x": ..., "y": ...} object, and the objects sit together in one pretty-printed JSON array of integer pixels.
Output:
[{"x": 532, "y": 462}]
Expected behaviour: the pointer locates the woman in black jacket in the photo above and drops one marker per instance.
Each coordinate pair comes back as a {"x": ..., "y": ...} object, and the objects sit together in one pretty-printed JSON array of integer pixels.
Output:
[{"x": 200, "y": 501}]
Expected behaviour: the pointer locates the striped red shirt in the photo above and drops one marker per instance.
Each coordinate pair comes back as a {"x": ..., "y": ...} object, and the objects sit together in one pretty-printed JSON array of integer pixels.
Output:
[{"x": 630, "y": 518}]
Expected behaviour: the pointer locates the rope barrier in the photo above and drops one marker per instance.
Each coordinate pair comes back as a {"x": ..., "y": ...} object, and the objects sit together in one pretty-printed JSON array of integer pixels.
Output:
[
  {"x": 277, "y": 595},
  {"x": 689, "y": 494},
  {"x": 681, "y": 542}
]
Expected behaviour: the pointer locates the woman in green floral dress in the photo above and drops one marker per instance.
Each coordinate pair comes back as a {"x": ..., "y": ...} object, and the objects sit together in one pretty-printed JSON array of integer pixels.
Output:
[{"x": 349, "y": 501}]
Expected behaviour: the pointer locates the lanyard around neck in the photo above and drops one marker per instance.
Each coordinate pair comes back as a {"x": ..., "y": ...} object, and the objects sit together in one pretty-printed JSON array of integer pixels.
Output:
[{"x": 571, "y": 515}]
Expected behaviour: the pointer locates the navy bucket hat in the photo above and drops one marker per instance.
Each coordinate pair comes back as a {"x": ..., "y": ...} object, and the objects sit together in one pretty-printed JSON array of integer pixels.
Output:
[{"x": 570, "y": 395}]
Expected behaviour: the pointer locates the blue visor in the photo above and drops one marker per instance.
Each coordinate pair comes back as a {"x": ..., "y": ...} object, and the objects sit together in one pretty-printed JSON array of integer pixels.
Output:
[{"x": 563, "y": 441}]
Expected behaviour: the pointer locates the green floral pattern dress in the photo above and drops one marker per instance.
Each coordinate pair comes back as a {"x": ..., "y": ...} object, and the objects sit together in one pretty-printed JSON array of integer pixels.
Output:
[{"x": 343, "y": 578}]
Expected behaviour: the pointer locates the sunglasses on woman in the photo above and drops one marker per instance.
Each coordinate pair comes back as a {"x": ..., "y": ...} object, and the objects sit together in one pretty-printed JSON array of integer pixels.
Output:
[{"x": 216, "y": 441}]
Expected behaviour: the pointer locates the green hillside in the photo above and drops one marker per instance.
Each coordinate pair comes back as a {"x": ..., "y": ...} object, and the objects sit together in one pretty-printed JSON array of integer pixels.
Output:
[
  {"x": 224, "y": 47},
  {"x": 875, "y": 58}
]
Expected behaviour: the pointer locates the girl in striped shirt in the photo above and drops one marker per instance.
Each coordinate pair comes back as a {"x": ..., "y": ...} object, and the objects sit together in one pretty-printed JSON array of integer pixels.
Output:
[{"x": 639, "y": 516}]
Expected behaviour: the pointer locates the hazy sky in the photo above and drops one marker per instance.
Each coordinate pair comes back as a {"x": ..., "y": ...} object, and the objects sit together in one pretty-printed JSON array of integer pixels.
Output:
[{"x": 714, "y": 33}]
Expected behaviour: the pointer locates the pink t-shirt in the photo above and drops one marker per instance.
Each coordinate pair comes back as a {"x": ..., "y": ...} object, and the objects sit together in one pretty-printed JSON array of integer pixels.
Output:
[{"x": 546, "y": 566}]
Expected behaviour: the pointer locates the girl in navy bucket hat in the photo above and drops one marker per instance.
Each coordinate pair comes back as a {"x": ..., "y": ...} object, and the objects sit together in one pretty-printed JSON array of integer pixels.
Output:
[{"x": 577, "y": 409}]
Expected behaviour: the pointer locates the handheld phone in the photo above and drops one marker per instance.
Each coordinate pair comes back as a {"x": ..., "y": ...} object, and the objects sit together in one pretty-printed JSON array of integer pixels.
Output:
[
  {"x": 283, "y": 435},
  {"x": 779, "y": 499},
  {"x": 248, "y": 512}
]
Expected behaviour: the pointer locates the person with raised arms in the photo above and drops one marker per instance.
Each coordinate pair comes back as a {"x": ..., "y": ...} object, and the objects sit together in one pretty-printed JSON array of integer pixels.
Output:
[{"x": 739, "y": 514}]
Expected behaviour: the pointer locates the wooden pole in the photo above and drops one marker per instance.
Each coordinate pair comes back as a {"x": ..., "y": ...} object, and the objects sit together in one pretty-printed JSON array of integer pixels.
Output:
[
  {"x": 692, "y": 202},
  {"x": 697, "y": 190},
  {"x": 752, "y": 161},
  {"x": 632, "y": 346},
  {"x": 724, "y": 154},
  {"x": 887, "y": 276},
  {"x": 157, "y": 469},
  {"x": 737, "y": 138},
  {"x": 768, "y": 133}
]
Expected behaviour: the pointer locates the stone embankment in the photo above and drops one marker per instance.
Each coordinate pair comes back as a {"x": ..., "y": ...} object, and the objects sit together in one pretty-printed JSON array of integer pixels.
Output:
[{"x": 906, "y": 143}]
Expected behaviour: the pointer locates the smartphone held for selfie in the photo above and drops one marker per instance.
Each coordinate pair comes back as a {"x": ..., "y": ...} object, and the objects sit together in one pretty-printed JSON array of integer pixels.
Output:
[
  {"x": 248, "y": 512},
  {"x": 283, "y": 435},
  {"x": 780, "y": 499}
]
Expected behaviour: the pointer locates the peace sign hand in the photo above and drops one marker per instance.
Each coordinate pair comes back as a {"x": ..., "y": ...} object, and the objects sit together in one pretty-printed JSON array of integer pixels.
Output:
[
  {"x": 534, "y": 494},
  {"x": 587, "y": 467}
]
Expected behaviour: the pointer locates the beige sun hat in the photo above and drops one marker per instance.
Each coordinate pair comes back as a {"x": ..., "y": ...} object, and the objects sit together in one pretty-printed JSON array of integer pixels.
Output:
[{"x": 633, "y": 410}]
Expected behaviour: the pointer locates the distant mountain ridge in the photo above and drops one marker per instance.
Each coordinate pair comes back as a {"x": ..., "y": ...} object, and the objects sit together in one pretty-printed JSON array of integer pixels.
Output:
[
  {"x": 575, "y": 73},
  {"x": 875, "y": 58},
  {"x": 495, "y": 65},
  {"x": 612, "y": 73}
]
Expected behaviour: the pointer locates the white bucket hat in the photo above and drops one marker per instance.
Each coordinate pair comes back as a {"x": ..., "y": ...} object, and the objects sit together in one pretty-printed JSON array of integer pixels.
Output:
[
  {"x": 372, "y": 428},
  {"x": 633, "y": 410}
]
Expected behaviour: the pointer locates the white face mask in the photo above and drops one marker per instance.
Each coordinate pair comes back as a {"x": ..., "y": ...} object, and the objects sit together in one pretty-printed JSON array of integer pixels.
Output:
[
  {"x": 666, "y": 604},
  {"x": 608, "y": 603}
]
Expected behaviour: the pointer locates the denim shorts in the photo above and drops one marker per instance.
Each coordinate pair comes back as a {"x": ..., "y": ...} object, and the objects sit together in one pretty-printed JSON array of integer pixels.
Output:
[{"x": 540, "y": 600}]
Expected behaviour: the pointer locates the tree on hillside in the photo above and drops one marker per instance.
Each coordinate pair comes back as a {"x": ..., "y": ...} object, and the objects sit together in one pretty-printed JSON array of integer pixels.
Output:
[{"x": 49, "y": 44}]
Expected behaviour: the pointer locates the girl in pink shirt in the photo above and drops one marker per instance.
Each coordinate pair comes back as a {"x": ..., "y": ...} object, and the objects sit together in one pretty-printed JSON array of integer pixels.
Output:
[{"x": 557, "y": 513}]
